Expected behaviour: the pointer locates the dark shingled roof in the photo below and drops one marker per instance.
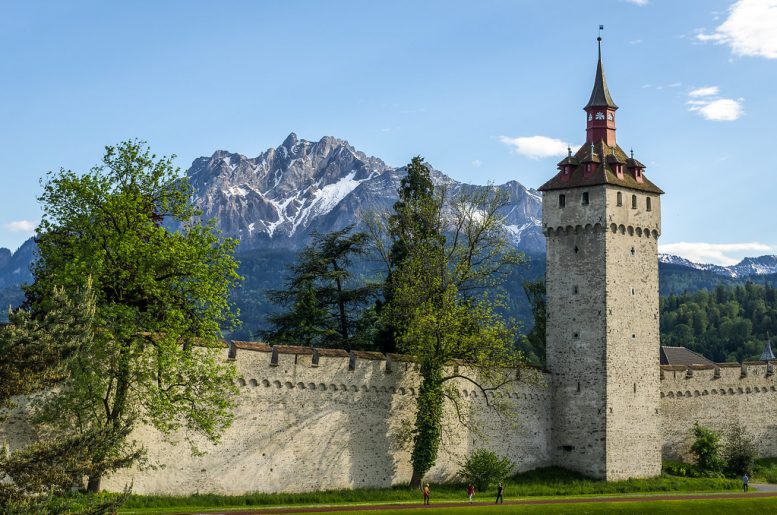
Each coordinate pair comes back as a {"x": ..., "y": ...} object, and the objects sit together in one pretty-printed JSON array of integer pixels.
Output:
[
  {"x": 600, "y": 96},
  {"x": 603, "y": 173},
  {"x": 767, "y": 354},
  {"x": 682, "y": 356}
]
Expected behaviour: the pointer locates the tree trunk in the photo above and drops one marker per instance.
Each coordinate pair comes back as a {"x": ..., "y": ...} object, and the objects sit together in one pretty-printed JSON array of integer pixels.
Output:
[
  {"x": 415, "y": 481},
  {"x": 93, "y": 485}
]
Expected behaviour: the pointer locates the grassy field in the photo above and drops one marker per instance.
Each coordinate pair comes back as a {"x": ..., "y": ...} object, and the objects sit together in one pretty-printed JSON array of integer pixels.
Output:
[
  {"x": 548, "y": 482},
  {"x": 707, "y": 507}
]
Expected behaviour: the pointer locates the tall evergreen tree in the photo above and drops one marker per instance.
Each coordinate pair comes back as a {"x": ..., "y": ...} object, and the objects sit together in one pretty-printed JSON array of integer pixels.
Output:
[
  {"x": 438, "y": 303},
  {"x": 325, "y": 299}
]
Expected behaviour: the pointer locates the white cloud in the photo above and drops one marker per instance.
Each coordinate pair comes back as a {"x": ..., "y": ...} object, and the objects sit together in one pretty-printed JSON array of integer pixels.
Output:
[
  {"x": 749, "y": 29},
  {"x": 704, "y": 92},
  {"x": 720, "y": 110},
  {"x": 536, "y": 147},
  {"x": 476, "y": 163},
  {"x": 706, "y": 103},
  {"x": 638, "y": 2},
  {"x": 21, "y": 226},
  {"x": 717, "y": 253}
]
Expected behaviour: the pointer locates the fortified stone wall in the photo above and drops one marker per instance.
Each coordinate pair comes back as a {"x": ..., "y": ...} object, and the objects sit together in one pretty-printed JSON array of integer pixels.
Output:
[
  {"x": 715, "y": 397},
  {"x": 302, "y": 426}
]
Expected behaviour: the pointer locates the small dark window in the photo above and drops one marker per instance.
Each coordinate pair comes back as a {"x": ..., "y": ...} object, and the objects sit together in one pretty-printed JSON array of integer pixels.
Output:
[
  {"x": 635, "y": 387},
  {"x": 568, "y": 448},
  {"x": 632, "y": 291},
  {"x": 562, "y": 201},
  {"x": 578, "y": 387},
  {"x": 576, "y": 290},
  {"x": 620, "y": 199},
  {"x": 633, "y": 202},
  {"x": 585, "y": 198},
  {"x": 648, "y": 207},
  {"x": 632, "y": 251},
  {"x": 576, "y": 249},
  {"x": 576, "y": 335}
]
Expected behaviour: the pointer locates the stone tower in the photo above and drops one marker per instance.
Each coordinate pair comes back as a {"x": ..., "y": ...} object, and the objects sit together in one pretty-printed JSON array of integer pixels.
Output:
[{"x": 602, "y": 219}]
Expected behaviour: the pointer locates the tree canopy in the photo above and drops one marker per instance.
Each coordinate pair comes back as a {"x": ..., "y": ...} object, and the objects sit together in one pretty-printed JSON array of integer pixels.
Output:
[
  {"x": 729, "y": 323},
  {"x": 444, "y": 259},
  {"x": 161, "y": 281}
]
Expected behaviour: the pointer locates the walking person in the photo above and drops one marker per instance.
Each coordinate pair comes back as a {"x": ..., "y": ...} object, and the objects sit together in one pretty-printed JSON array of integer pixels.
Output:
[
  {"x": 426, "y": 493},
  {"x": 745, "y": 482},
  {"x": 470, "y": 492},
  {"x": 499, "y": 490}
]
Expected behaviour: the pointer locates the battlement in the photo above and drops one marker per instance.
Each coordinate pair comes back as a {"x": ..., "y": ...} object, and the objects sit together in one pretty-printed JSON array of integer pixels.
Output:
[
  {"x": 297, "y": 368},
  {"x": 751, "y": 377},
  {"x": 622, "y": 229}
]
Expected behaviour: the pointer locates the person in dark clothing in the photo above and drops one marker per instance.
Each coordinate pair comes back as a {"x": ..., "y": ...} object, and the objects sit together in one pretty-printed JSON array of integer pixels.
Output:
[
  {"x": 745, "y": 482},
  {"x": 426, "y": 493},
  {"x": 499, "y": 498}
]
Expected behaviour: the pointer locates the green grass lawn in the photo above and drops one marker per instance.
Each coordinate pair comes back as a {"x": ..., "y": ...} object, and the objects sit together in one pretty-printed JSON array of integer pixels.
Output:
[
  {"x": 548, "y": 482},
  {"x": 707, "y": 507}
]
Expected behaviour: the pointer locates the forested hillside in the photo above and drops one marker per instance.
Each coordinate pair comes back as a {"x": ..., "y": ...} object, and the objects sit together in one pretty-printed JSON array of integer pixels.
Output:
[{"x": 727, "y": 323}]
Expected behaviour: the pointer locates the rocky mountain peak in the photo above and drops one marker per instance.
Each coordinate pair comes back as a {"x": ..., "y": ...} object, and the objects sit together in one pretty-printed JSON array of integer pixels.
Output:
[
  {"x": 279, "y": 197},
  {"x": 290, "y": 141}
]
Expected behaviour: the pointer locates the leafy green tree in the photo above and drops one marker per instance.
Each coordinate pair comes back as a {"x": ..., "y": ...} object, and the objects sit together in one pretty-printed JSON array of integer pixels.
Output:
[
  {"x": 739, "y": 450},
  {"x": 706, "y": 448},
  {"x": 326, "y": 300},
  {"x": 483, "y": 468},
  {"x": 443, "y": 261},
  {"x": 161, "y": 301}
]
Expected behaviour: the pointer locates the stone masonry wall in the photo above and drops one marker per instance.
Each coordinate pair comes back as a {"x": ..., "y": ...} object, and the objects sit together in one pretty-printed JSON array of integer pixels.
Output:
[
  {"x": 300, "y": 427},
  {"x": 715, "y": 397},
  {"x": 633, "y": 339}
]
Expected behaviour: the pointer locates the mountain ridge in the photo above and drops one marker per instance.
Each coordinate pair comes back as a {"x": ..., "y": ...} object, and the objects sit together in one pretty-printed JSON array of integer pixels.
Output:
[
  {"x": 758, "y": 265},
  {"x": 284, "y": 194}
]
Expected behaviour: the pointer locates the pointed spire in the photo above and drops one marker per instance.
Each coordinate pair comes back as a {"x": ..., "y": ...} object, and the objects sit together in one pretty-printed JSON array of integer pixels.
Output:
[
  {"x": 600, "y": 96},
  {"x": 767, "y": 354}
]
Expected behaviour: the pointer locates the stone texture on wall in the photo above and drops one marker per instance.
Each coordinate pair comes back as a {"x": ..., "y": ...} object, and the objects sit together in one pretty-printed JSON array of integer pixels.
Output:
[
  {"x": 633, "y": 339},
  {"x": 715, "y": 397},
  {"x": 301, "y": 427},
  {"x": 602, "y": 329}
]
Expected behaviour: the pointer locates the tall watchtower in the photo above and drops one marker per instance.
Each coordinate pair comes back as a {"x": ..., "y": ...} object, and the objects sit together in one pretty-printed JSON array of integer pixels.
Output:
[{"x": 602, "y": 219}]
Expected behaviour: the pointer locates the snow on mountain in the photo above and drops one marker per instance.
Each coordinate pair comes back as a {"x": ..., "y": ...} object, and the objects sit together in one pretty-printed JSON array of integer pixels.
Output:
[
  {"x": 279, "y": 197},
  {"x": 748, "y": 266}
]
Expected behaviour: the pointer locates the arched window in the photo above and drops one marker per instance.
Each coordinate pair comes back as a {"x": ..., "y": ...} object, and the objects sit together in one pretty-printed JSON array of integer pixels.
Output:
[
  {"x": 648, "y": 207},
  {"x": 585, "y": 198},
  {"x": 620, "y": 199},
  {"x": 633, "y": 202}
]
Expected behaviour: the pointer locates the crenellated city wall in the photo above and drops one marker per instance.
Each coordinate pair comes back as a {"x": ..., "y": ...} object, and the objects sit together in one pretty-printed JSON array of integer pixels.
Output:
[
  {"x": 715, "y": 397},
  {"x": 334, "y": 420}
]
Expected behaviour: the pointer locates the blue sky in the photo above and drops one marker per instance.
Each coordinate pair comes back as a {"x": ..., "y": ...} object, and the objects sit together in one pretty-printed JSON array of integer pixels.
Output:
[{"x": 486, "y": 91}]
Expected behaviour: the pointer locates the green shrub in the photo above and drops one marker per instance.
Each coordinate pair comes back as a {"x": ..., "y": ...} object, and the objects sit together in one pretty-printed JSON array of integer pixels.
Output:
[
  {"x": 739, "y": 450},
  {"x": 706, "y": 448},
  {"x": 484, "y": 467}
]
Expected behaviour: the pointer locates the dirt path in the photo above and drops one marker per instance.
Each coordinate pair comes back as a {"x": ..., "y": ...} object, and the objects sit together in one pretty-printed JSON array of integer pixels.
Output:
[{"x": 380, "y": 507}]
